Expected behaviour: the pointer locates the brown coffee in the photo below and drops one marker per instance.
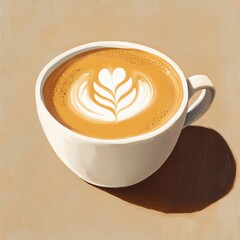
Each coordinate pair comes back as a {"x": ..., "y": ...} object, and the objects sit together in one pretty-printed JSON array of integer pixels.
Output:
[{"x": 113, "y": 93}]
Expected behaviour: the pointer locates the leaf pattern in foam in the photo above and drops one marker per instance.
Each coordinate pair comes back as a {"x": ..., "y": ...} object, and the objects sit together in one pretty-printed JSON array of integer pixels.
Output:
[
  {"x": 104, "y": 102},
  {"x": 82, "y": 102},
  {"x": 102, "y": 92},
  {"x": 123, "y": 89},
  {"x": 143, "y": 98},
  {"x": 126, "y": 101},
  {"x": 111, "y": 93}
]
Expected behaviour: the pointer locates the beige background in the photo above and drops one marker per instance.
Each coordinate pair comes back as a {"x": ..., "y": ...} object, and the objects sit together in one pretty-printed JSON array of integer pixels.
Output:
[{"x": 42, "y": 199}]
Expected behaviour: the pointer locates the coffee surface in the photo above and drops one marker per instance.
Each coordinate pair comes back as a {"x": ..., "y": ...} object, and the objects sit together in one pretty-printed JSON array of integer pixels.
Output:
[{"x": 113, "y": 93}]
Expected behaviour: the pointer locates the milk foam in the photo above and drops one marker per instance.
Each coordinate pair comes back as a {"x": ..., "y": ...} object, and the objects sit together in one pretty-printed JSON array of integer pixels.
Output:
[{"x": 115, "y": 99}]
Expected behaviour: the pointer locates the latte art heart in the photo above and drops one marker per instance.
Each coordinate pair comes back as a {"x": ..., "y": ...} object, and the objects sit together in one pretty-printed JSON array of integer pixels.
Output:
[{"x": 115, "y": 98}]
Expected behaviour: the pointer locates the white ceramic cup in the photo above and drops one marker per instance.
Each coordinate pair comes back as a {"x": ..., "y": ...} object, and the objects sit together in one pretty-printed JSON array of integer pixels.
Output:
[{"x": 126, "y": 161}]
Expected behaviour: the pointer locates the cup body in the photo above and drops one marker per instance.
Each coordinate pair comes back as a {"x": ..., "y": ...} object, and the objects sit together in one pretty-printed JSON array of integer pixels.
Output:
[{"x": 103, "y": 162}]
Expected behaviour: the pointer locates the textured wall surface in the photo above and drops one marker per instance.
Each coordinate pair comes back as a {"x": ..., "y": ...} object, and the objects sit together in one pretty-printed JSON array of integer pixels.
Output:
[{"x": 42, "y": 199}]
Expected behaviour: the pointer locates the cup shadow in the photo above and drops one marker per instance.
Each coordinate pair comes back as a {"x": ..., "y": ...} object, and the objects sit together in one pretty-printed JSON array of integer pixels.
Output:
[{"x": 200, "y": 170}]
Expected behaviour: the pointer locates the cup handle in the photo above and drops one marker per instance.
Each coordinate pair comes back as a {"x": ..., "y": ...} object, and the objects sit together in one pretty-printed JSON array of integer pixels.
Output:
[{"x": 203, "y": 102}]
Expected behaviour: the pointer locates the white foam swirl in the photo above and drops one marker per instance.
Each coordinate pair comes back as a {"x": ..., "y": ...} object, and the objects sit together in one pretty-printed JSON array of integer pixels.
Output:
[{"x": 114, "y": 100}]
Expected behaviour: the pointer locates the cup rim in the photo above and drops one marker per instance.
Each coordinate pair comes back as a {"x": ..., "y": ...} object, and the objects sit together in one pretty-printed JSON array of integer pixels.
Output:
[{"x": 59, "y": 59}]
